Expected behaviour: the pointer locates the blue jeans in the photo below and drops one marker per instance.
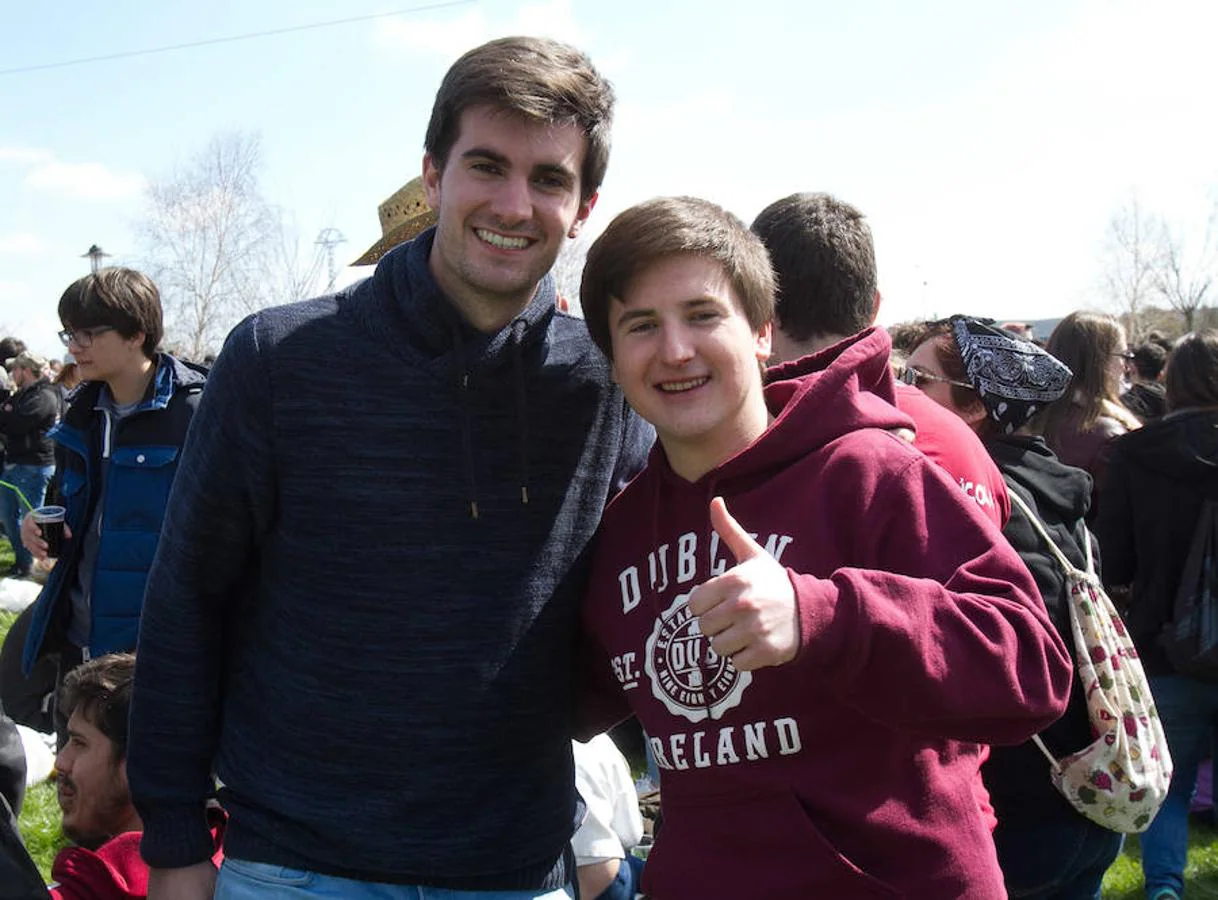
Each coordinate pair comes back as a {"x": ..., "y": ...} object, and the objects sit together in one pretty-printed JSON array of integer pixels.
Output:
[
  {"x": 33, "y": 481},
  {"x": 1187, "y": 708},
  {"x": 243, "y": 880},
  {"x": 1055, "y": 859},
  {"x": 628, "y": 882}
]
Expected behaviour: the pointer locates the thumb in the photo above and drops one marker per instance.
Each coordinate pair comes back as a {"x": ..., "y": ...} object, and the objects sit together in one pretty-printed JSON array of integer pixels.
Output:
[{"x": 743, "y": 547}]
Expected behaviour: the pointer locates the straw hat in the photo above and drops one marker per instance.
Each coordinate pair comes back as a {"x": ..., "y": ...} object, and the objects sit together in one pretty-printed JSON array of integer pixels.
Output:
[{"x": 403, "y": 216}]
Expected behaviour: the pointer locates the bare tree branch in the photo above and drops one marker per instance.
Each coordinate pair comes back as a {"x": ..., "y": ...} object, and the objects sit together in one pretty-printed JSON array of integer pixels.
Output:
[
  {"x": 1132, "y": 257},
  {"x": 216, "y": 248},
  {"x": 1184, "y": 278}
]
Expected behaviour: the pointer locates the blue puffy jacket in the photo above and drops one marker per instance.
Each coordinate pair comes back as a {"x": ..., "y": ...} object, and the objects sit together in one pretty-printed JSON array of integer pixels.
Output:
[{"x": 142, "y": 450}]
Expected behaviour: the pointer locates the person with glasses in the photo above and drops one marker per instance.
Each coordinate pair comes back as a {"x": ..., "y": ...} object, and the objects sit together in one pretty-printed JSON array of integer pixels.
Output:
[
  {"x": 1081, "y": 428},
  {"x": 117, "y": 449},
  {"x": 824, "y": 259},
  {"x": 1002, "y": 387}
]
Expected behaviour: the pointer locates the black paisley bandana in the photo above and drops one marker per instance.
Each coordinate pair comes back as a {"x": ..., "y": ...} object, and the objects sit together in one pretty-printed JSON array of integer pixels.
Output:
[{"x": 1014, "y": 378}]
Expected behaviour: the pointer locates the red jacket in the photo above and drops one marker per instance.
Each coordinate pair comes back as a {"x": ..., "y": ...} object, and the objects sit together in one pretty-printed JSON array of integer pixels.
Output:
[
  {"x": 849, "y": 771},
  {"x": 114, "y": 871},
  {"x": 945, "y": 438}
]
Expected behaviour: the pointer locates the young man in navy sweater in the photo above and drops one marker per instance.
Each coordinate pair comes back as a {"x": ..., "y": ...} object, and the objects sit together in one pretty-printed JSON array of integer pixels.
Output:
[{"x": 362, "y": 610}]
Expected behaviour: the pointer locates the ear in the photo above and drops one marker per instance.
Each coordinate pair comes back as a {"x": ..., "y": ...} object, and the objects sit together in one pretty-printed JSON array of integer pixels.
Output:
[
  {"x": 136, "y": 341},
  {"x": 764, "y": 342},
  {"x": 585, "y": 210},
  {"x": 974, "y": 414},
  {"x": 875, "y": 306},
  {"x": 431, "y": 181}
]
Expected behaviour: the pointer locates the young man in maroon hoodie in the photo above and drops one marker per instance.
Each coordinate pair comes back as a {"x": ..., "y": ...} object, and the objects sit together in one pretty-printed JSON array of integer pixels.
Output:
[{"x": 810, "y": 620}]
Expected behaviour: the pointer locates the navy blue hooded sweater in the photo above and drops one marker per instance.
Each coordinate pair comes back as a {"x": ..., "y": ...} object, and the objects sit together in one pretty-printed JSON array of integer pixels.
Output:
[{"x": 354, "y": 615}]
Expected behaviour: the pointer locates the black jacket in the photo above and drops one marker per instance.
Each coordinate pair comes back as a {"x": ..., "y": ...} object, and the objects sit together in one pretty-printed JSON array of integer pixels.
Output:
[
  {"x": 1158, "y": 478},
  {"x": 1018, "y": 777},
  {"x": 25, "y": 419},
  {"x": 19, "y": 879},
  {"x": 1147, "y": 400}
]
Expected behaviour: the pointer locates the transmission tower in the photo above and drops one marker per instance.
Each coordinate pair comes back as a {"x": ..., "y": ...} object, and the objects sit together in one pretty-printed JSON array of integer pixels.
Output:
[{"x": 328, "y": 240}]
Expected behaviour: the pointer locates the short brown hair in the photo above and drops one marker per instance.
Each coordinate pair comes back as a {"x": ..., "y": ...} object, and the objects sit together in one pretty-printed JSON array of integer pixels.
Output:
[
  {"x": 1192, "y": 371},
  {"x": 666, "y": 227},
  {"x": 123, "y": 299},
  {"x": 537, "y": 79},
  {"x": 100, "y": 690},
  {"x": 824, "y": 260}
]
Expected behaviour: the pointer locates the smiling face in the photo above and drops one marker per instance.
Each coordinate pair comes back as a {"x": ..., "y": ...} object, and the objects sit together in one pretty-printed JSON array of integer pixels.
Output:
[
  {"x": 93, "y": 792},
  {"x": 687, "y": 360},
  {"x": 506, "y": 198}
]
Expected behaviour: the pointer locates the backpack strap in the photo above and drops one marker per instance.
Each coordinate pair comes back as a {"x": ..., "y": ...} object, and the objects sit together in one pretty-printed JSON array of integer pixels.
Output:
[
  {"x": 1053, "y": 763},
  {"x": 1040, "y": 529}
]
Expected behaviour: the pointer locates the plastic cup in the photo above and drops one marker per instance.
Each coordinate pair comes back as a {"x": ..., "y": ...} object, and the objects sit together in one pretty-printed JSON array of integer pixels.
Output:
[{"x": 49, "y": 520}]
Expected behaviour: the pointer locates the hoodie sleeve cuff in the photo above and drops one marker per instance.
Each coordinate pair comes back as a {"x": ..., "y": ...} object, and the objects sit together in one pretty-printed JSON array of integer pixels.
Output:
[
  {"x": 176, "y": 836},
  {"x": 816, "y": 603}
]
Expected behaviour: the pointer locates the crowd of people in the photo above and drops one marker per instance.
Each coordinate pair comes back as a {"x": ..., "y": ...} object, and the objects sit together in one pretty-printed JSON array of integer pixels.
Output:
[{"x": 333, "y": 637}]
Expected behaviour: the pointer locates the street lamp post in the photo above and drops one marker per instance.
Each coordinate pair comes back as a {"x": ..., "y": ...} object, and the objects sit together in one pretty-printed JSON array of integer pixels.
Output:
[{"x": 94, "y": 255}]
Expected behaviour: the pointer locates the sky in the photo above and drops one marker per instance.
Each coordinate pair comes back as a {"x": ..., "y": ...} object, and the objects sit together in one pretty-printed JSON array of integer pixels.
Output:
[{"x": 989, "y": 144}]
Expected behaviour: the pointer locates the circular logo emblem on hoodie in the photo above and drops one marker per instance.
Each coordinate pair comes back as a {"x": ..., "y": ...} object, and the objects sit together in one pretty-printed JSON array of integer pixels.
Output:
[{"x": 686, "y": 674}]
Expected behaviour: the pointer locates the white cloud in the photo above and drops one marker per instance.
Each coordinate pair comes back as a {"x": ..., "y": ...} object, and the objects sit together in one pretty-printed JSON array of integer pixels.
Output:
[
  {"x": 23, "y": 243},
  {"x": 449, "y": 38},
  {"x": 26, "y": 155},
  {"x": 84, "y": 181},
  {"x": 78, "y": 181}
]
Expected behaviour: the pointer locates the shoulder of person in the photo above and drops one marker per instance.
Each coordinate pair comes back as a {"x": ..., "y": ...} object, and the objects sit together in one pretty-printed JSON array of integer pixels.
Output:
[{"x": 570, "y": 344}]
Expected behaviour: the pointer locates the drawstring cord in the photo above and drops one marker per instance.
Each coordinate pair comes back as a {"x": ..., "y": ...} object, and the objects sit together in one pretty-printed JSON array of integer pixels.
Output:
[
  {"x": 522, "y": 410},
  {"x": 518, "y": 328},
  {"x": 467, "y": 435}
]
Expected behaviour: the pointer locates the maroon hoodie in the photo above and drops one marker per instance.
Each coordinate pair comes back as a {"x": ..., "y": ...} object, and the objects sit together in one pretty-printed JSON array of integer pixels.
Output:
[{"x": 849, "y": 771}]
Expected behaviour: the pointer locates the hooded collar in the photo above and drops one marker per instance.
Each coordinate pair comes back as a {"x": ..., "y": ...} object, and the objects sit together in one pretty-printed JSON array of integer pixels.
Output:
[
  {"x": 171, "y": 375},
  {"x": 411, "y": 311},
  {"x": 1182, "y": 445},
  {"x": 430, "y": 330},
  {"x": 1027, "y": 460}
]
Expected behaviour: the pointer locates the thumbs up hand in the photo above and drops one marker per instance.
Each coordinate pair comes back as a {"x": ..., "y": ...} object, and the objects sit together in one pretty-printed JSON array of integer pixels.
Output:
[{"x": 749, "y": 611}]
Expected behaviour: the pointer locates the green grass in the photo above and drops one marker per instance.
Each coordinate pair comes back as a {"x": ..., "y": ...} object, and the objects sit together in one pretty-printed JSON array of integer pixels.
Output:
[
  {"x": 42, "y": 835},
  {"x": 1124, "y": 879},
  {"x": 39, "y": 821}
]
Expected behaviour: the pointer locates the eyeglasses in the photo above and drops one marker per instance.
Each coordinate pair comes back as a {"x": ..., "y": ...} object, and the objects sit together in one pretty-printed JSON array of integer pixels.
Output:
[
  {"x": 1128, "y": 355},
  {"x": 82, "y": 337},
  {"x": 920, "y": 377}
]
